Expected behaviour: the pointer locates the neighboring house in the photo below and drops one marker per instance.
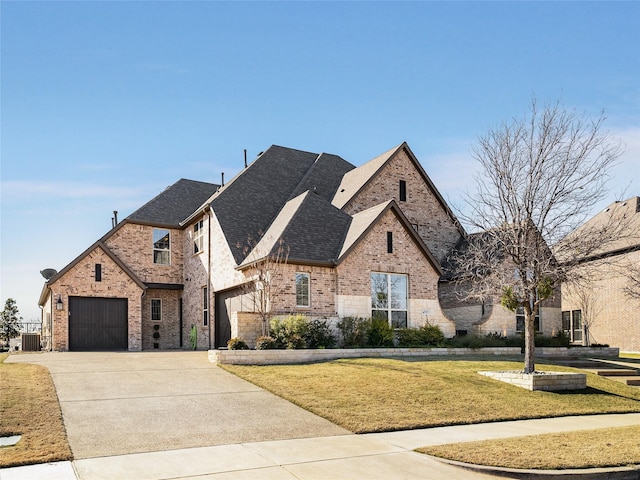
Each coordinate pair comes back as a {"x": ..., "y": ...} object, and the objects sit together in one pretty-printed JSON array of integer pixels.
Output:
[
  {"x": 482, "y": 318},
  {"x": 605, "y": 309},
  {"x": 366, "y": 241}
]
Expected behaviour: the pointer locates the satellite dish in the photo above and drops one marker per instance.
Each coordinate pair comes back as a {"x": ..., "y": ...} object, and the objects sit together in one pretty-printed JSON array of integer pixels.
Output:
[{"x": 48, "y": 273}]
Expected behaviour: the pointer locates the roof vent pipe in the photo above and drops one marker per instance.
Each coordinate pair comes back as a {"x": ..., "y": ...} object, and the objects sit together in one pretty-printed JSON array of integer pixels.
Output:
[
  {"x": 245, "y": 158},
  {"x": 114, "y": 219},
  {"x": 223, "y": 179}
]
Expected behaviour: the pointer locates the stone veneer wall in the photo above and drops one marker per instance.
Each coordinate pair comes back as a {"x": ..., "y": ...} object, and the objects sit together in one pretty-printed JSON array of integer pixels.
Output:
[
  {"x": 80, "y": 281},
  {"x": 435, "y": 226}
]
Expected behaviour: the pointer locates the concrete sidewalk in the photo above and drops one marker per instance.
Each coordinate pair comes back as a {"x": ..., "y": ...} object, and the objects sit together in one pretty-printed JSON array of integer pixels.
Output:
[{"x": 371, "y": 456}]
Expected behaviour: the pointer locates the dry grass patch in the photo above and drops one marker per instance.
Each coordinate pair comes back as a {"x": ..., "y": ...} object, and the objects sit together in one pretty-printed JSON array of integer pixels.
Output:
[
  {"x": 29, "y": 407},
  {"x": 610, "y": 447},
  {"x": 374, "y": 395}
]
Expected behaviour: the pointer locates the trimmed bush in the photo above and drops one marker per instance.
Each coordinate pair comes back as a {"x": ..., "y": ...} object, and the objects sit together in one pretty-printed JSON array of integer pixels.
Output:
[
  {"x": 289, "y": 332},
  {"x": 237, "y": 344},
  {"x": 424, "y": 336},
  {"x": 380, "y": 333},
  {"x": 265, "y": 343},
  {"x": 354, "y": 331},
  {"x": 319, "y": 334}
]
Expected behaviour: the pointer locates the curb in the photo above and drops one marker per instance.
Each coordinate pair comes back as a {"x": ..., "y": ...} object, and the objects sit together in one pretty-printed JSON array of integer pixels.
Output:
[{"x": 613, "y": 473}]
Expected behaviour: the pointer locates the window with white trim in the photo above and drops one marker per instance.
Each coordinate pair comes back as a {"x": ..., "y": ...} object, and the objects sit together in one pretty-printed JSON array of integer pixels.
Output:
[
  {"x": 520, "y": 320},
  {"x": 161, "y": 246},
  {"x": 389, "y": 298},
  {"x": 198, "y": 236},
  {"x": 302, "y": 290},
  {"x": 156, "y": 310}
]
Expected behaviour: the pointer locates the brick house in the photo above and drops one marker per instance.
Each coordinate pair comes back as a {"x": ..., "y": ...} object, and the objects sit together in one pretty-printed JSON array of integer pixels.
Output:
[
  {"x": 365, "y": 241},
  {"x": 603, "y": 311}
]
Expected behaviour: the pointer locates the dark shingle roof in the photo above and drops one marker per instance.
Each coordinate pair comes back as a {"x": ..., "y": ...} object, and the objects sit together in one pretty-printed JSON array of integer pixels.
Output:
[
  {"x": 247, "y": 205},
  {"x": 174, "y": 204},
  {"x": 324, "y": 177}
]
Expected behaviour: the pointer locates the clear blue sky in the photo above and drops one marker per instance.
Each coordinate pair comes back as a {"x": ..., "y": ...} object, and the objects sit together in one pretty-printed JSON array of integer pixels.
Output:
[{"x": 104, "y": 104}]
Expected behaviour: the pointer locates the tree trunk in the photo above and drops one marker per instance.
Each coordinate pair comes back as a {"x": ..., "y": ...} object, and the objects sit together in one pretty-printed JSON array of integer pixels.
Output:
[{"x": 529, "y": 342}]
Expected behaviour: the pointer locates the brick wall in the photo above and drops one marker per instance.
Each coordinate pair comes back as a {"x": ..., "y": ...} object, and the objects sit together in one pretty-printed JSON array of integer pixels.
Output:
[
  {"x": 133, "y": 244},
  {"x": 616, "y": 316},
  {"x": 169, "y": 325},
  {"x": 195, "y": 279},
  {"x": 353, "y": 285},
  {"x": 80, "y": 281},
  {"x": 421, "y": 207}
]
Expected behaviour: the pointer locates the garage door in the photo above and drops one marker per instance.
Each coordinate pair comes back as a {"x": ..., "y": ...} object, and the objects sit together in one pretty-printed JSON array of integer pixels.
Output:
[{"x": 97, "y": 324}]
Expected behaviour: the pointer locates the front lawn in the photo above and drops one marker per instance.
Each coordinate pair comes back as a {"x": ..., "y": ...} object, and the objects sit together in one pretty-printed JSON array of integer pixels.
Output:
[
  {"x": 607, "y": 447},
  {"x": 29, "y": 407},
  {"x": 374, "y": 395}
]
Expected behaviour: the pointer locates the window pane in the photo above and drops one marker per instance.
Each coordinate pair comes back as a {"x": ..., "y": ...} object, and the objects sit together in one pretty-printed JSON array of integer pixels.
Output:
[
  {"x": 156, "y": 310},
  {"x": 161, "y": 257},
  {"x": 399, "y": 319},
  {"x": 379, "y": 291},
  {"x": 379, "y": 315},
  {"x": 302, "y": 289},
  {"x": 398, "y": 292}
]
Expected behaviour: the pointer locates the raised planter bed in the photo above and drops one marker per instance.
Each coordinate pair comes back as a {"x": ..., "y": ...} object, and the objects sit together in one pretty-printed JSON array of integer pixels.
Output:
[
  {"x": 548, "y": 381},
  {"x": 271, "y": 357}
]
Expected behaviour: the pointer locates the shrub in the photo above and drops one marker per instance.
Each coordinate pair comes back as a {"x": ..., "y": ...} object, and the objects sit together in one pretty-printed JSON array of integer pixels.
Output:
[
  {"x": 319, "y": 334},
  {"x": 354, "y": 331},
  {"x": 265, "y": 343},
  {"x": 380, "y": 333},
  {"x": 237, "y": 344},
  {"x": 424, "y": 336},
  {"x": 289, "y": 332}
]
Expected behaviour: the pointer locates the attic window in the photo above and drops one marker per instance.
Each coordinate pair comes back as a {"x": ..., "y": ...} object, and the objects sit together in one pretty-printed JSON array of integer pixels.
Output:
[
  {"x": 389, "y": 242},
  {"x": 403, "y": 191},
  {"x": 198, "y": 236},
  {"x": 98, "y": 272}
]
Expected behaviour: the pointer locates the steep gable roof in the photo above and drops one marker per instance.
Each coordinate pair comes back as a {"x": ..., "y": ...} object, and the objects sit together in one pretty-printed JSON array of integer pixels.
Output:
[
  {"x": 324, "y": 176},
  {"x": 356, "y": 180},
  {"x": 364, "y": 221},
  {"x": 101, "y": 245},
  {"x": 247, "y": 205},
  {"x": 174, "y": 204},
  {"x": 311, "y": 229}
]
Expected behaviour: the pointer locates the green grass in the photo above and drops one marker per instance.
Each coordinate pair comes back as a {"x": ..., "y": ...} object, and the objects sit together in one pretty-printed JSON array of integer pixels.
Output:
[
  {"x": 373, "y": 395},
  {"x": 29, "y": 407},
  {"x": 607, "y": 447}
]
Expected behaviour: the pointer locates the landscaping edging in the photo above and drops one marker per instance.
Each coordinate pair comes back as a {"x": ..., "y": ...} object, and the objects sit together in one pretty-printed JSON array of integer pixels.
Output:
[{"x": 270, "y": 357}]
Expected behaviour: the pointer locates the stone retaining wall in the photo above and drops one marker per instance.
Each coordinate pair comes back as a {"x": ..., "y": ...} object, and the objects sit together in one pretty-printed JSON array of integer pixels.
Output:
[{"x": 269, "y": 357}]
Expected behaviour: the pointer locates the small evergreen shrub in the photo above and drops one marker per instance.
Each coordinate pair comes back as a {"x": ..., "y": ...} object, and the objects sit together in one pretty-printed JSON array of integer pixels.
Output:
[
  {"x": 289, "y": 331},
  {"x": 265, "y": 343},
  {"x": 424, "y": 336},
  {"x": 380, "y": 333},
  {"x": 319, "y": 334},
  {"x": 236, "y": 343},
  {"x": 354, "y": 331}
]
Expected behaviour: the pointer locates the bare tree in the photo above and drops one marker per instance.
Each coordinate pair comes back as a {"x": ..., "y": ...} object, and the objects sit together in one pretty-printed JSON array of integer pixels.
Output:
[
  {"x": 264, "y": 269},
  {"x": 586, "y": 299},
  {"x": 632, "y": 273},
  {"x": 540, "y": 178}
]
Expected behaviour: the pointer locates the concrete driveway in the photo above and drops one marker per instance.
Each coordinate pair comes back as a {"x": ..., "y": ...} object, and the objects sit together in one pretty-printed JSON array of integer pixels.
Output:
[{"x": 133, "y": 402}]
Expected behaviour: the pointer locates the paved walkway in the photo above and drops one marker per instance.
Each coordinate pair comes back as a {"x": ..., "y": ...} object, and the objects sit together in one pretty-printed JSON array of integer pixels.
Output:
[
  {"x": 241, "y": 448},
  {"x": 373, "y": 456}
]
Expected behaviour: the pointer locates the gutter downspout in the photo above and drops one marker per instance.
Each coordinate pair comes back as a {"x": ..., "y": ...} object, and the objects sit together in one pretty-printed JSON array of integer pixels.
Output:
[
  {"x": 209, "y": 303},
  {"x": 51, "y": 321}
]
